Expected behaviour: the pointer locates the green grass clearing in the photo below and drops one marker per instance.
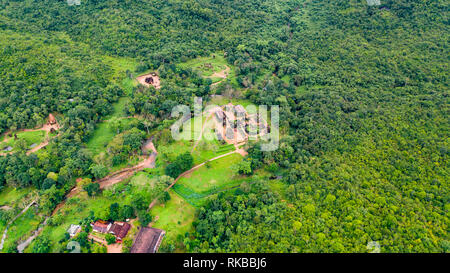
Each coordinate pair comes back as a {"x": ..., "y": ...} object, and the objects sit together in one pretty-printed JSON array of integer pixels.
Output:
[
  {"x": 10, "y": 195},
  {"x": 209, "y": 179},
  {"x": 30, "y": 137},
  {"x": 102, "y": 134},
  {"x": 120, "y": 65},
  {"x": 175, "y": 217},
  {"x": 207, "y": 66}
]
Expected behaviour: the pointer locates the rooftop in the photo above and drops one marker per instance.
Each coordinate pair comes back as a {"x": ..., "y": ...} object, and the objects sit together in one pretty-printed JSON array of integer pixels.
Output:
[{"x": 147, "y": 240}]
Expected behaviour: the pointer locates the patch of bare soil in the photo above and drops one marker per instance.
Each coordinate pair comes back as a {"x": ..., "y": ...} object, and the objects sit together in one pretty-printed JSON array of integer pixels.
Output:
[
  {"x": 221, "y": 74},
  {"x": 156, "y": 80},
  {"x": 123, "y": 174},
  {"x": 114, "y": 248}
]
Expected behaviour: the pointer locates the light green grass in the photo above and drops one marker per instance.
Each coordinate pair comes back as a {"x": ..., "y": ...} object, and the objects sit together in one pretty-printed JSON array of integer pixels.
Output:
[
  {"x": 31, "y": 137},
  {"x": 102, "y": 134},
  {"x": 175, "y": 217},
  {"x": 286, "y": 79},
  {"x": 205, "y": 150},
  {"x": 209, "y": 179},
  {"x": 100, "y": 138},
  {"x": 218, "y": 63},
  {"x": 10, "y": 195},
  {"x": 214, "y": 176},
  {"x": 78, "y": 207},
  {"x": 22, "y": 228}
]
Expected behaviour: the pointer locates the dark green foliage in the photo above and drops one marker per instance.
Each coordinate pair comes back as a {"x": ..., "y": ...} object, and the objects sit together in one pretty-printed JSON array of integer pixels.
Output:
[
  {"x": 92, "y": 189},
  {"x": 114, "y": 212},
  {"x": 363, "y": 93},
  {"x": 181, "y": 164},
  {"x": 127, "y": 212},
  {"x": 144, "y": 217},
  {"x": 110, "y": 239},
  {"x": 42, "y": 245}
]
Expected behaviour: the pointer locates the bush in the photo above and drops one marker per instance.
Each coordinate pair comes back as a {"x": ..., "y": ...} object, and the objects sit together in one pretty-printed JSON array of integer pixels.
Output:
[
  {"x": 181, "y": 164},
  {"x": 110, "y": 239},
  {"x": 92, "y": 189},
  {"x": 145, "y": 218}
]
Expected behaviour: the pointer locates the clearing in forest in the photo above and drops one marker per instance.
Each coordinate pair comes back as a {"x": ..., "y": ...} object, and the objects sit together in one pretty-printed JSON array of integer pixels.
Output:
[
  {"x": 150, "y": 79},
  {"x": 31, "y": 140},
  {"x": 214, "y": 67},
  {"x": 213, "y": 177}
]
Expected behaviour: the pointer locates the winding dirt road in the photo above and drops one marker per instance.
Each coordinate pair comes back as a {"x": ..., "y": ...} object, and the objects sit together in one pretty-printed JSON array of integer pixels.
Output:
[{"x": 123, "y": 174}]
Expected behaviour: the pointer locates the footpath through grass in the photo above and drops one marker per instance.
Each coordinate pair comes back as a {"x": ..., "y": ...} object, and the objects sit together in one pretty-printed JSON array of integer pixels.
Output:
[
  {"x": 209, "y": 179},
  {"x": 30, "y": 137},
  {"x": 207, "y": 66}
]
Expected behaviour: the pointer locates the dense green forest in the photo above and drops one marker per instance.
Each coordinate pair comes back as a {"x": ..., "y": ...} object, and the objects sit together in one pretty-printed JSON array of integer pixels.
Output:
[{"x": 364, "y": 104}]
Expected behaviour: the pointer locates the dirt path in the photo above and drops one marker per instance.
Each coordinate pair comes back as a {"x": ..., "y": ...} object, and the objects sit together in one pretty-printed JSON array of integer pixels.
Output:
[
  {"x": 46, "y": 127},
  {"x": 152, "y": 204},
  {"x": 222, "y": 74},
  {"x": 123, "y": 174}
]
